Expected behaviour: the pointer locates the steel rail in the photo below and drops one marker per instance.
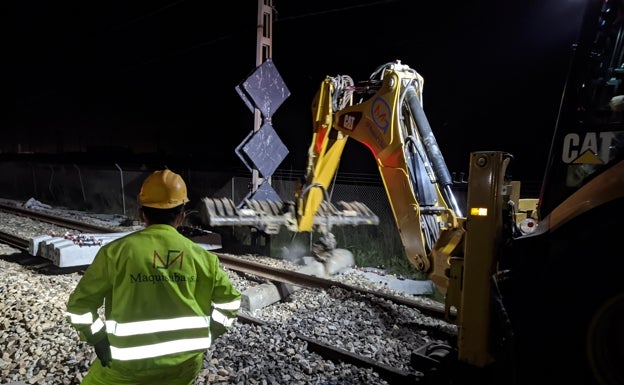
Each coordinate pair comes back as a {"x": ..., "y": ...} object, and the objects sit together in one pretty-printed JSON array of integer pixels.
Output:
[
  {"x": 390, "y": 374},
  {"x": 14, "y": 241},
  {"x": 55, "y": 220},
  {"x": 310, "y": 281}
]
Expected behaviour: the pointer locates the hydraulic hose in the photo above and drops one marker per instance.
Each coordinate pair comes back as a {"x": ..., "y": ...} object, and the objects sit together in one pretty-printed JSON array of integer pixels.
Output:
[{"x": 442, "y": 173}]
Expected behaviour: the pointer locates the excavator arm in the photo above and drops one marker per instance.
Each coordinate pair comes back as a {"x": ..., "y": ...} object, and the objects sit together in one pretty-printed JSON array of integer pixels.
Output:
[
  {"x": 324, "y": 153},
  {"x": 389, "y": 120},
  {"x": 385, "y": 114}
]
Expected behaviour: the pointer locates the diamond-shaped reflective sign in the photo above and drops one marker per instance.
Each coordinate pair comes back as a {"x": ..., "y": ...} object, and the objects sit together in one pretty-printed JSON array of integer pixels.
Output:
[
  {"x": 265, "y": 150},
  {"x": 265, "y": 87},
  {"x": 243, "y": 156},
  {"x": 265, "y": 193},
  {"x": 243, "y": 96}
]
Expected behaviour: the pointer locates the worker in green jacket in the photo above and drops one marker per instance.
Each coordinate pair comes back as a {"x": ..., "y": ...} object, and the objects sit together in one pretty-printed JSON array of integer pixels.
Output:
[{"x": 165, "y": 299}]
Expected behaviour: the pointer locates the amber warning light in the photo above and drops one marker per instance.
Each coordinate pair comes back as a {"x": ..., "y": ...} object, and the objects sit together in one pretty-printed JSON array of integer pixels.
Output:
[{"x": 478, "y": 211}]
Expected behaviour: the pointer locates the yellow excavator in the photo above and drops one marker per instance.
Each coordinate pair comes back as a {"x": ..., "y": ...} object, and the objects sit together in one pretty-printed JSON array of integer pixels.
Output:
[{"x": 538, "y": 304}]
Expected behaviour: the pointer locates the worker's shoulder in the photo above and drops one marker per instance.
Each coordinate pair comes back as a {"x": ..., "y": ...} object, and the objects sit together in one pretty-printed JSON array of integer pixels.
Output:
[
  {"x": 200, "y": 250},
  {"x": 121, "y": 238}
]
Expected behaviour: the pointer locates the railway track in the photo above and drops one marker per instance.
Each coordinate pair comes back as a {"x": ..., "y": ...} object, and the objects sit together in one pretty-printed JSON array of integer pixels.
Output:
[
  {"x": 231, "y": 262},
  {"x": 422, "y": 356}
]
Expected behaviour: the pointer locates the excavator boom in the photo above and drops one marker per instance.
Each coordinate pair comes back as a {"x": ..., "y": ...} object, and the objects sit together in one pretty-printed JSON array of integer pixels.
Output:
[{"x": 389, "y": 120}]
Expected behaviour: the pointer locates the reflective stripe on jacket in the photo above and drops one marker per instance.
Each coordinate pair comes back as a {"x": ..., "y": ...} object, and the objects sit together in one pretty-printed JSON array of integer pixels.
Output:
[{"x": 166, "y": 298}]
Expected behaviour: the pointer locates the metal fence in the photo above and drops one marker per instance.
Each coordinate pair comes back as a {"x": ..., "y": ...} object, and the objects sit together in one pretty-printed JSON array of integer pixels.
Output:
[{"x": 113, "y": 189}]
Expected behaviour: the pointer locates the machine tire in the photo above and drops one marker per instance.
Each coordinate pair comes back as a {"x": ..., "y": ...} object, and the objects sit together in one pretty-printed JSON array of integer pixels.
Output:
[{"x": 605, "y": 342}]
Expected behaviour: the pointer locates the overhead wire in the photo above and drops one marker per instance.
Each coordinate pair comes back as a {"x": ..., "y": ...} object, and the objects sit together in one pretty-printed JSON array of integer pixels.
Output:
[{"x": 335, "y": 10}]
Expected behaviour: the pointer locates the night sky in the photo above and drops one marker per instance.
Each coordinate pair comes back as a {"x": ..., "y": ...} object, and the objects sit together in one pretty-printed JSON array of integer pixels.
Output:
[{"x": 144, "y": 74}]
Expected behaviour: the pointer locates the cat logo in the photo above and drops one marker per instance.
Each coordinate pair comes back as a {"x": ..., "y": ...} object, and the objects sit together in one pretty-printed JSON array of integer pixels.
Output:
[
  {"x": 592, "y": 148},
  {"x": 172, "y": 257},
  {"x": 350, "y": 120}
]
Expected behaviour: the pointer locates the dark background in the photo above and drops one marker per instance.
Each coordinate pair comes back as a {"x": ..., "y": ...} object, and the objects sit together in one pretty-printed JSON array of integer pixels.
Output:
[{"x": 112, "y": 78}]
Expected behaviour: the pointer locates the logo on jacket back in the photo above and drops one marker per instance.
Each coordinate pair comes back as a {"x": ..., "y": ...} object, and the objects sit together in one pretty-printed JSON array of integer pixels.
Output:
[{"x": 172, "y": 257}]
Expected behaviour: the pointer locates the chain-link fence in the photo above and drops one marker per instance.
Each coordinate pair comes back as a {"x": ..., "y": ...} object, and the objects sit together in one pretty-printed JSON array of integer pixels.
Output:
[{"x": 113, "y": 189}]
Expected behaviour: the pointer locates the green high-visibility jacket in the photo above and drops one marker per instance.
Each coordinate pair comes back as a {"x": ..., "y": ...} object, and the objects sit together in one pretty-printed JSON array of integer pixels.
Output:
[{"x": 166, "y": 299}]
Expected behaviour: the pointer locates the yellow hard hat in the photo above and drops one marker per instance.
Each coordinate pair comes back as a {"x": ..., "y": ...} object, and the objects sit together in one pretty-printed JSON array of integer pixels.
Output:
[{"x": 163, "y": 190}]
